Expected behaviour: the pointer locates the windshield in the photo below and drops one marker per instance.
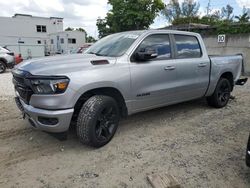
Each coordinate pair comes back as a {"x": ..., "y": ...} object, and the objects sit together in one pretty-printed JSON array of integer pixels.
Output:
[{"x": 113, "y": 45}]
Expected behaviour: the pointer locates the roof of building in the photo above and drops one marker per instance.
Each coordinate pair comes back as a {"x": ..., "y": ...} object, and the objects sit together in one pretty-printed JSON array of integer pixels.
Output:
[{"x": 29, "y": 15}]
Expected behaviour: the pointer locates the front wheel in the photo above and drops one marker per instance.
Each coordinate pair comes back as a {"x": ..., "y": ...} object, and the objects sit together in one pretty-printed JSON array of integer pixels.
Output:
[
  {"x": 248, "y": 152},
  {"x": 97, "y": 121},
  {"x": 2, "y": 67},
  {"x": 221, "y": 94}
]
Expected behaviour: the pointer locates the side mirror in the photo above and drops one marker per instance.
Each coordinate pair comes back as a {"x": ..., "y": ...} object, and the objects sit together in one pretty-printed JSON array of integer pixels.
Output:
[{"x": 145, "y": 54}]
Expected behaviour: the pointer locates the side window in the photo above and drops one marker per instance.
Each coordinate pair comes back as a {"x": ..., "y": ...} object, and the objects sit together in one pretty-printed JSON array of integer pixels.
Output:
[
  {"x": 160, "y": 42},
  {"x": 187, "y": 46}
]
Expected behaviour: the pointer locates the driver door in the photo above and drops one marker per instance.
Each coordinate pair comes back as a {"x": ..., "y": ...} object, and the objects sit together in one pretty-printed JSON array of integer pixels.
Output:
[{"x": 153, "y": 81}]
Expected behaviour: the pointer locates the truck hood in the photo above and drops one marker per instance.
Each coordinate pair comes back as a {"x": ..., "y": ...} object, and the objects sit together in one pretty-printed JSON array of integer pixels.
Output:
[{"x": 62, "y": 64}]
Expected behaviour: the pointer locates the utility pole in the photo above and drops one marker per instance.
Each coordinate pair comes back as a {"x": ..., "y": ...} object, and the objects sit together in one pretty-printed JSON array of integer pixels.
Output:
[{"x": 208, "y": 7}]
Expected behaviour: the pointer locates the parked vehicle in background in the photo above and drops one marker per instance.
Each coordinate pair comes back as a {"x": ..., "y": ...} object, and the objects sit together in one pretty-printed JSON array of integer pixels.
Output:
[
  {"x": 80, "y": 50},
  {"x": 248, "y": 152},
  {"x": 18, "y": 58},
  {"x": 120, "y": 75},
  {"x": 7, "y": 59},
  {"x": 84, "y": 48}
]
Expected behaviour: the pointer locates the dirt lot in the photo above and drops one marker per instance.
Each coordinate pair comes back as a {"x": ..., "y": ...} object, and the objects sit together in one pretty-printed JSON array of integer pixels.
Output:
[{"x": 199, "y": 145}]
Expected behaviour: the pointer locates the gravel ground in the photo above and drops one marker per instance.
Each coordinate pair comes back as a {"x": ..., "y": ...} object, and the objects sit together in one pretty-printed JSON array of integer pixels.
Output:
[{"x": 199, "y": 145}]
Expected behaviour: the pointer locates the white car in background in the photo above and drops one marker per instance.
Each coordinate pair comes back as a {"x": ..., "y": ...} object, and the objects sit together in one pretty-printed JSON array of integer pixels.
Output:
[{"x": 7, "y": 59}]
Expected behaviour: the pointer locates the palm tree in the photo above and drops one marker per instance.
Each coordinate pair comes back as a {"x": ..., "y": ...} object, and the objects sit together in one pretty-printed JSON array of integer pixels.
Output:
[{"x": 243, "y": 18}]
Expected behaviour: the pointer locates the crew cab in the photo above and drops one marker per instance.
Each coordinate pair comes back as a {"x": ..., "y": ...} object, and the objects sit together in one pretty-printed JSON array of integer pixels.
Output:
[{"x": 122, "y": 74}]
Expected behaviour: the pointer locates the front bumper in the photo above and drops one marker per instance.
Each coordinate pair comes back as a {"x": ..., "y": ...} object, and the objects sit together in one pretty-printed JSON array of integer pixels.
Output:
[
  {"x": 42, "y": 119},
  {"x": 11, "y": 65}
]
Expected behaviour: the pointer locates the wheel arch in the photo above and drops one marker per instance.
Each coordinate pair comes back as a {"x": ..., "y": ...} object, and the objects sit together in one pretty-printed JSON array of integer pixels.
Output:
[
  {"x": 228, "y": 75},
  {"x": 107, "y": 91},
  {"x": 3, "y": 60}
]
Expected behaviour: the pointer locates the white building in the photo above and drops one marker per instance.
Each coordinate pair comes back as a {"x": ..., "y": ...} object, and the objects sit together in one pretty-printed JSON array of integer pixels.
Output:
[
  {"x": 30, "y": 35},
  {"x": 66, "y": 41}
]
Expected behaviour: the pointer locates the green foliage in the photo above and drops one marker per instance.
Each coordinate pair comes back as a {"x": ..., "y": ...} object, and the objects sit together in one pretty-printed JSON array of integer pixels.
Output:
[
  {"x": 126, "y": 15},
  {"x": 227, "y": 28},
  {"x": 90, "y": 39},
  {"x": 176, "y": 11},
  {"x": 103, "y": 27},
  {"x": 81, "y": 29},
  {"x": 221, "y": 22},
  {"x": 190, "y": 8},
  {"x": 226, "y": 13},
  {"x": 69, "y": 29},
  {"x": 243, "y": 18}
]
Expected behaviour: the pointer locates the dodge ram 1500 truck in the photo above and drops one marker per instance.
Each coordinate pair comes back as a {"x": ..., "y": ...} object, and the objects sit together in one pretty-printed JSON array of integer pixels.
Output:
[{"x": 120, "y": 75}]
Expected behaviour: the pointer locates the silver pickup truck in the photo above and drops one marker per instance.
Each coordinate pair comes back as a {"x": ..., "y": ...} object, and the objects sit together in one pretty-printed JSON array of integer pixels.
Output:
[{"x": 120, "y": 75}]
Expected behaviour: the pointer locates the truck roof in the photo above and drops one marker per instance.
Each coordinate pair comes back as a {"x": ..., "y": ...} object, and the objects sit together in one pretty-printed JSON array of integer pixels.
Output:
[{"x": 140, "y": 32}]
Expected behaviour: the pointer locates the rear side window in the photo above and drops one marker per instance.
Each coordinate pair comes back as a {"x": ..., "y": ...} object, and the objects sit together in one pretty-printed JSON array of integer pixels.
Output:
[
  {"x": 160, "y": 42},
  {"x": 187, "y": 46}
]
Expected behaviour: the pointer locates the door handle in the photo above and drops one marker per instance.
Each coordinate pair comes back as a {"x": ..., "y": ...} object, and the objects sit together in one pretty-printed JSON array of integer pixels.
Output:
[
  {"x": 202, "y": 65},
  {"x": 169, "y": 68}
]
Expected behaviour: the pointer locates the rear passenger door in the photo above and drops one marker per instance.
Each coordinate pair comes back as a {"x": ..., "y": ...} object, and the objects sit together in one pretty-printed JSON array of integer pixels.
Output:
[{"x": 192, "y": 67}]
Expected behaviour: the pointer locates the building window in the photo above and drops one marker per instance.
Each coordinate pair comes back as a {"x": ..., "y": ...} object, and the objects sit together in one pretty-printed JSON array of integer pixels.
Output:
[
  {"x": 38, "y": 42},
  {"x": 41, "y": 28},
  {"x": 71, "y": 41},
  {"x": 62, "y": 40},
  {"x": 51, "y": 41}
]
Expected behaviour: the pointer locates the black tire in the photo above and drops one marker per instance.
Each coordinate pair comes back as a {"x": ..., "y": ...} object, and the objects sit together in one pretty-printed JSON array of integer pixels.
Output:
[
  {"x": 221, "y": 94},
  {"x": 97, "y": 121},
  {"x": 247, "y": 152},
  {"x": 2, "y": 67}
]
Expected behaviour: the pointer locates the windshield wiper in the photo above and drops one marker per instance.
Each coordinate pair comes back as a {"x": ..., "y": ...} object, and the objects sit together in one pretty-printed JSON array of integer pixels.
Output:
[{"x": 97, "y": 54}]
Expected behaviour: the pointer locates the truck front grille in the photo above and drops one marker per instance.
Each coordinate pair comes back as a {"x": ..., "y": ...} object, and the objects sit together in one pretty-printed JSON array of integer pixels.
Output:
[{"x": 21, "y": 86}]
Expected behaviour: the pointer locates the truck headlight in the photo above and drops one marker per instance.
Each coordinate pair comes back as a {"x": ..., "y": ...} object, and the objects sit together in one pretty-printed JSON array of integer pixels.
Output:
[{"x": 49, "y": 86}]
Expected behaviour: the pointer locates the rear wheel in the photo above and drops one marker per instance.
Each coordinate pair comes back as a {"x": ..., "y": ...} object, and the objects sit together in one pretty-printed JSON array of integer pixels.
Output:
[
  {"x": 221, "y": 94},
  {"x": 97, "y": 121},
  {"x": 2, "y": 67}
]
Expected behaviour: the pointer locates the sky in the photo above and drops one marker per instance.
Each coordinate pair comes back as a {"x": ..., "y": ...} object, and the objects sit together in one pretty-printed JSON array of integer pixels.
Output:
[{"x": 83, "y": 13}]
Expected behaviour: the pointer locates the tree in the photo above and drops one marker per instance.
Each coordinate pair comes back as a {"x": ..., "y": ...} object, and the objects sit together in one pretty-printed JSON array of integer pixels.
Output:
[
  {"x": 226, "y": 13},
  {"x": 81, "y": 29},
  {"x": 190, "y": 8},
  {"x": 69, "y": 29},
  {"x": 126, "y": 15},
  {"x": 175, "y": 11},
  {"x": 246, "y": 10},
  {"x": 172, "y": 11},
  {"x": 243, "y": 18},
  {"x": 90, "y": 39},
  {"x": 103, "y": 28}
]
